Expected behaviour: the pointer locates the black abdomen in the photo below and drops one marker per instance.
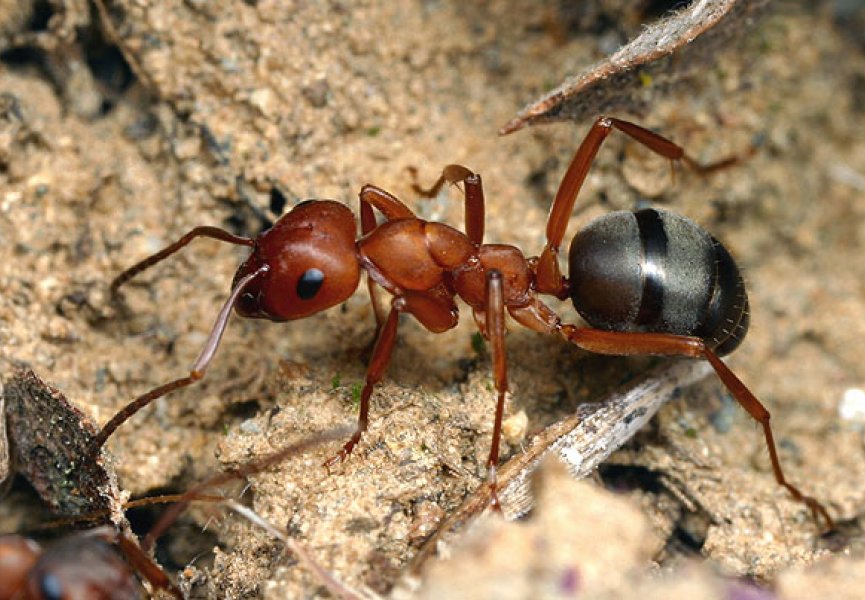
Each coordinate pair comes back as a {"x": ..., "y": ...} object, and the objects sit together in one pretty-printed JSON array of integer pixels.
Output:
[{"x": 654, "y": 270}]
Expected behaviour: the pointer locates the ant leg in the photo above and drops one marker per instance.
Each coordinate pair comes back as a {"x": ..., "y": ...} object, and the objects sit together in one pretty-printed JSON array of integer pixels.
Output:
[
  {"x": 549, "y": 275},
  {"x": 367, "y": 225},
  {"x": 144, "y": 565},
  {"x": 550, "y": 280},
  {"x": 672, "y": 151},
  {"x": 474, "y": 197},
  {"x": 205, "y": 231},
  {"x": 495, "y": 330},
  {"x": 663, "y": 344},
  {"x": 381, "y": 354},
  {"x": 389, "y": 205},
  {"x": 196, "y": 373},
  {"x": 452, "y": 174},
  {"x": 435, "y": 308},
  {"x": 435, "y": 312},
  {"x": 372, "y": 196}
]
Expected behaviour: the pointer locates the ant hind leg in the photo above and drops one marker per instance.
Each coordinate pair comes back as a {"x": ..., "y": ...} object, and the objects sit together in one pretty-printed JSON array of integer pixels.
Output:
[{"x": 618, "y": 343}]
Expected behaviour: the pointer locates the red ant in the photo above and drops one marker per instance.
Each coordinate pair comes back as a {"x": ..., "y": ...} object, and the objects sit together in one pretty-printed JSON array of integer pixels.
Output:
[
  {"x": 81, "y": 565},
  {"x": 87, "y": 564},
  {"x": 648, "y": 282}
]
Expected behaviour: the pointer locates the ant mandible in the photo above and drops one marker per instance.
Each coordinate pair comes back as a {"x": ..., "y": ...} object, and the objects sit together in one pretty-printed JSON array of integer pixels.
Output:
[{"x": 648, "y": 282}]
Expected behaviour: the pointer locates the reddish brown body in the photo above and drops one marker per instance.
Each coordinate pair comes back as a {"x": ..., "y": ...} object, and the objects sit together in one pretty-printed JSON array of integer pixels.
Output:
[
  {"x": 639, "y": 294},
  {"x": 83, "y": 565},
  {"x": 292, "y": 247}
]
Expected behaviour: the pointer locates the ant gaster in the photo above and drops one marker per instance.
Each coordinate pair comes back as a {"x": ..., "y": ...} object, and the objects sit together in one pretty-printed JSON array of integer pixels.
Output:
[{"x": 648, "y": 282}]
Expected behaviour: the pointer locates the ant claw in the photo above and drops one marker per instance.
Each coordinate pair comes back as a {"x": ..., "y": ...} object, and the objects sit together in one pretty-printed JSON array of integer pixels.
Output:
[
  {"x": 340, "y": 456},
  {"x": 492, "y": 482},
  {"x": 825, "y": 523},
  {"x": 334, "y": 460},
  {"x": 495, "y": 504}
]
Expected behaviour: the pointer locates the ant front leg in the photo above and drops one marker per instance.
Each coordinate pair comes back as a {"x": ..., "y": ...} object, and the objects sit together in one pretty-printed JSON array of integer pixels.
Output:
[
  {"x": 549, "y": 276},
  {"x": 436, "y": 312},
  {"x": 474, "y": 197},
  {"x": 371, "y": 197},
  {"x": 381, "y": 354},
  {"x": 664, "y": 344}
]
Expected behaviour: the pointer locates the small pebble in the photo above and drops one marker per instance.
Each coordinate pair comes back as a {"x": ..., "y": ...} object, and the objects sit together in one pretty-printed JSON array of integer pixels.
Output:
[
  {"x": 852, "y": 406},
  {"x": 250, "y": 426}
]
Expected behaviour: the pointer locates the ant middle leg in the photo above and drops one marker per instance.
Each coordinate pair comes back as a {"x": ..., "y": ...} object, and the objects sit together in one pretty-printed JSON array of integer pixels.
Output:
[{"x": 495, "y": 333}]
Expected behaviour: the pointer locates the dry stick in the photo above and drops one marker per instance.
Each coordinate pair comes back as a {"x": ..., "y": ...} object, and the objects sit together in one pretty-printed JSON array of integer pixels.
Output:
[
  {"x": 596, "y": 430},
  {"x": 338, "y": 589},
  {"x": 582, "y": 441},
  {"x": 244, "y": 470}
]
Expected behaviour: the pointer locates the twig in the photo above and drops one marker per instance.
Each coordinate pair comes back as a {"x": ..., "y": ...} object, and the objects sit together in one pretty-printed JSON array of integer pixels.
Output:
[
  {"x": 338, "y": 589},
  {"x": 582, "y": 441}
]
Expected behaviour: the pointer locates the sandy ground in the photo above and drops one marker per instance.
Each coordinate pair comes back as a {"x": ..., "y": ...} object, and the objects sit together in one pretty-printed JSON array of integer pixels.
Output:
[{"x": 227, "y": 101}]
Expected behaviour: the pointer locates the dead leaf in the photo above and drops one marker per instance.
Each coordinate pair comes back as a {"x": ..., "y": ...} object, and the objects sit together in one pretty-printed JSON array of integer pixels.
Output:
[
  {"x": 49, "y": 438},
  {"x": 664, "y": 53}
]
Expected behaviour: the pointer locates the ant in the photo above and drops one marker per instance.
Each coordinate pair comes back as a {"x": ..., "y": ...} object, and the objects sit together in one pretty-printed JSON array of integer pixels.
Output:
[
  {"x": 81, "y": 565},
  {"x": 649, "y": 282},
  {"x": 85, "y": 564}
]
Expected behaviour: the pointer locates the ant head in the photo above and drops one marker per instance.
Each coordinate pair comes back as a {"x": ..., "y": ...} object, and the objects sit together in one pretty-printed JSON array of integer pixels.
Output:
[
  {"x": 81, "y": 566},
  {"x": 312, "y": 261},
  {"x": 17, "y": 557}
]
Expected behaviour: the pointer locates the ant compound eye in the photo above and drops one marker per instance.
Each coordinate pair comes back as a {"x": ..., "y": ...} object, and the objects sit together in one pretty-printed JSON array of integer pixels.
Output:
[
  {"x": 50, "y": 587},
  {"x": 309, "y": 284}
]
